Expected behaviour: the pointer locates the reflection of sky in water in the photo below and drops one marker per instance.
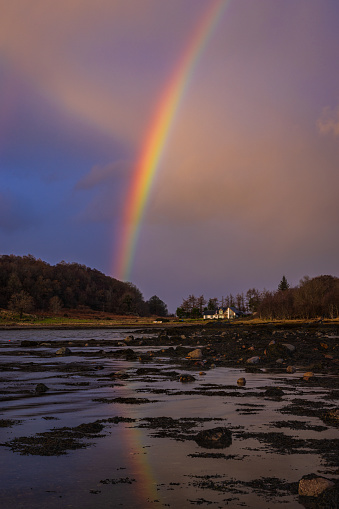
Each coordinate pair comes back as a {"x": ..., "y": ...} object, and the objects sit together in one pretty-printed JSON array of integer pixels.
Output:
[{"x": 127, "y": 451}]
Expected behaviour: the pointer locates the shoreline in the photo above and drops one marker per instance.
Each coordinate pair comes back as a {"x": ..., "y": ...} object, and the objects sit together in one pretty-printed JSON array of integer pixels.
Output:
[{"x": 134, "y": 324}]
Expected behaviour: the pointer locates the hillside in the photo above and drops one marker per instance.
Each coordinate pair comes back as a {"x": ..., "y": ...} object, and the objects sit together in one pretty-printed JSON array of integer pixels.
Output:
[{"x": 29, "y": 284}]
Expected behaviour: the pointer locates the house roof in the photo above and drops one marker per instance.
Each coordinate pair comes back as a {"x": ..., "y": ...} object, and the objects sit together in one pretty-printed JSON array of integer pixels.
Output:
[{"x": 235, "y": 310}]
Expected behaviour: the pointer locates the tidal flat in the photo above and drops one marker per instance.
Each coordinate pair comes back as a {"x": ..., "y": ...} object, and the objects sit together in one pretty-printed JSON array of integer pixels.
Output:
[{"x": 218, "y": 415}]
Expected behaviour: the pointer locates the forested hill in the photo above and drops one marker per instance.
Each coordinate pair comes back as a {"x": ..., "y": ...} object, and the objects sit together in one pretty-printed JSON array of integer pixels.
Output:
[{"x": 28, "y": 284}]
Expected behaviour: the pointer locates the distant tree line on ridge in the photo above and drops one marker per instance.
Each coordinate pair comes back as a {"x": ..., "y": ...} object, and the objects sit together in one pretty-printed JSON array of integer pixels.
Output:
[
  {"x": 28, "y": 284},
  {"x": 312, "y": 298}
]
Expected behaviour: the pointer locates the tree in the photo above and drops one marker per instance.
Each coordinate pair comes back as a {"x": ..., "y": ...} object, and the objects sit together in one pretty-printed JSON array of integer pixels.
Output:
[
  {"x": 21, "y": 302},
  {"x": 240, "y": 302},
  {"x": 201, "y": 302},
  {"x": 181, "y": 313},
  {"x": 55, "y": 304},
  {"x": 283, "y": 285},
  {"x": 253, "y": 299},
  {"x": 156, "y": 306},
  {"x": 195, "y": 313},
  {"x": 212, "y": 304}
]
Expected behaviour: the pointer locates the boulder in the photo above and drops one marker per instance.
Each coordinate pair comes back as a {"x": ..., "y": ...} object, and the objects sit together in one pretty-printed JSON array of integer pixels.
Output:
[
  {"x": 186, "y": 378},
  {"x": 241, "y": 381},
  {"x": 195, "y": 354},
  {"x": 41, "y": 388},
  {"x": 314, "y": 486},
  {"x": 253, "y": 360},
  {"x": 63, "y": 351},
  {"x": 215, "y": 438},
  {"x": 274, "y": 392},
  {"x": 130, "y": 355},
  {"x": 290, "y": 348},
  {"x": 332, "y": 416},
  {"x": 291, "y": 369}
]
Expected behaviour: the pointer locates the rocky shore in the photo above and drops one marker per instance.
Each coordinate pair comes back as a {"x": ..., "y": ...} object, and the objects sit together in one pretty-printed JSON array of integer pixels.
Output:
[{"x": 172, "y": 363}]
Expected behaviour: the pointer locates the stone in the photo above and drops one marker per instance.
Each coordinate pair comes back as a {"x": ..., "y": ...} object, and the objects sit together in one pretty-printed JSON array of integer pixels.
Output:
[
  {"x": 289, "y": 347},
  {"x": 314, "y": 486},
  {"x": 241, "y": 381},
  {"x": 63, "y": 351},
  {"x": 187, "y": 378},
  {"x": 291, "y": 369},
  {"x": 332, "y": 416},
  {"x": 195, "y": 354},
  {"x": 274, "y": 392},
  {"x": 41, "y": 388},
  {"x": 253, "y": 360},
  {"x": 215, "y": 438}
]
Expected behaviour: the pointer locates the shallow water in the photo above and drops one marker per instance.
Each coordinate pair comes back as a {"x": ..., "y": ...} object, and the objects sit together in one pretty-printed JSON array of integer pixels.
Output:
[{"x": 130, "y": 465}]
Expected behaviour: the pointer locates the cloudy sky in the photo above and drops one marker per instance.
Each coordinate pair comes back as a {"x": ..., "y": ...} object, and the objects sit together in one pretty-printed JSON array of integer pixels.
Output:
[{"x": 247, "y": 187}]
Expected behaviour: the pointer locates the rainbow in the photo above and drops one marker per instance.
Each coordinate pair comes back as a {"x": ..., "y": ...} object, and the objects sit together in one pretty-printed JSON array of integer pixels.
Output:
[{"x": 158, "y": 136}]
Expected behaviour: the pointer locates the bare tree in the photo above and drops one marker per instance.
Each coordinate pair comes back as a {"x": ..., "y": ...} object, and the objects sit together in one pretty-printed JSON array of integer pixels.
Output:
[{"x": 21, "y": 302}]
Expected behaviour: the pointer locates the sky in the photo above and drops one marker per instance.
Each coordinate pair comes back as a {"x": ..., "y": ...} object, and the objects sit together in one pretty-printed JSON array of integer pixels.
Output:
[{"x": 246, "y": 188}]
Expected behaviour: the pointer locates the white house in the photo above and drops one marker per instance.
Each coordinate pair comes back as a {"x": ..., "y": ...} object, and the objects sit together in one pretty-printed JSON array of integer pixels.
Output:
[{"x": 220, "y": 313}]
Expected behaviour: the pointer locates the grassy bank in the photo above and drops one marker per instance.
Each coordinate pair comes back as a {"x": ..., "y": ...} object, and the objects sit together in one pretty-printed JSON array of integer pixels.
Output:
[{"x": 93, "y": 319}]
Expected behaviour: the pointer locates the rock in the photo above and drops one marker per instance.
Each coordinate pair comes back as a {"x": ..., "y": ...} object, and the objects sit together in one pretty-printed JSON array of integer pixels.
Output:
[
  {"x": 279, "y": 361},
  {"x": 291, "y": 369},
  {"x": 195, "y": 354},
  {"x": 130, "y": 355},
  {"x": 63, "y": 351},
  {"x": 308, "y": 375},
  {"x": 45, "y": 344},
  {"x": 216, "y": 438},
  {"x": 290, "y": 348},
  {"x": 332, "y": 416},
  {"x": 241, "y": 381},
  {"x": 41, "y": 388},
  {"x": 274, "y": 392},
  {"x": 314, "y": 486},
  {"x": 253, "y": 360},
  {"x": 128, "y": 339},
  {"x": 187, "y": 378}
]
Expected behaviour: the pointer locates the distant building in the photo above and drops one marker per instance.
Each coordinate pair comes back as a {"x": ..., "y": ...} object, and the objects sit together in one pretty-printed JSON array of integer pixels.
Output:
[{"x": 222, "y": 313}]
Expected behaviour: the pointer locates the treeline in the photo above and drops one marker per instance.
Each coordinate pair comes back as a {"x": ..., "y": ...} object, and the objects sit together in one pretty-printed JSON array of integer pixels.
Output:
[
  {"x": 28, "y": 284},
  {"x": 194, "y": 307},
  {"x": 312, "y": 298}
]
